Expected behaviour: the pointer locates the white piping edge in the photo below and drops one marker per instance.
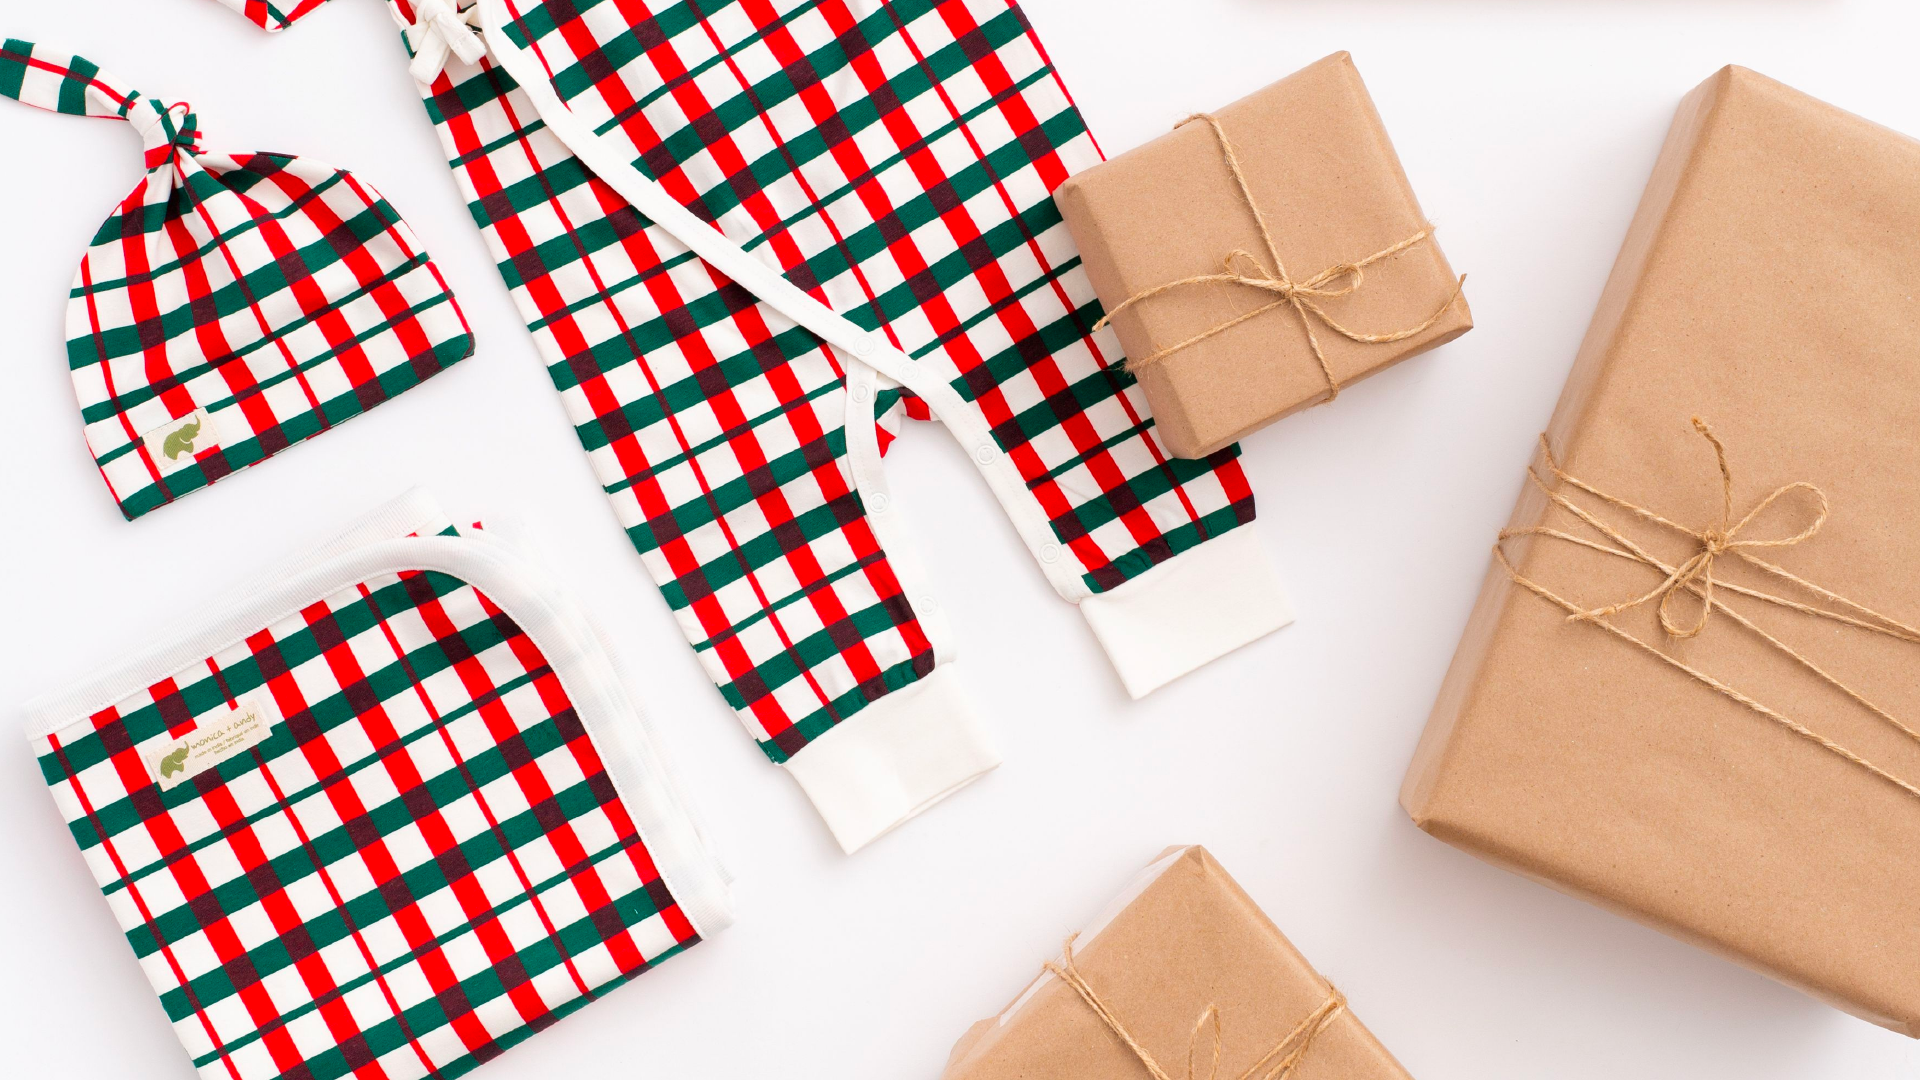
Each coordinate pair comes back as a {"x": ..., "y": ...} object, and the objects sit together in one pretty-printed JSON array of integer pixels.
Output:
[
  {"x": 513, "y": 532},
  {"x": 884, "y": 516},
  {"x": 931, "y": 378},
  {"x": 686, "y": 864}
]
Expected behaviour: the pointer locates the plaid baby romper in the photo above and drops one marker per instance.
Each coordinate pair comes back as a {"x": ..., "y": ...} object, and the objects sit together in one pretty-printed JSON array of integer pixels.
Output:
[{"x": 750, "y": 236}]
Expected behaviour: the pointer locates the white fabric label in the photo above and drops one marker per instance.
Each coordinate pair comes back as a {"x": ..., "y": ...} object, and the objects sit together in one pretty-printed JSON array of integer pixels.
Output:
[
  {"x": 214, "y": 740},
  {"x": 173, "y": 444}
]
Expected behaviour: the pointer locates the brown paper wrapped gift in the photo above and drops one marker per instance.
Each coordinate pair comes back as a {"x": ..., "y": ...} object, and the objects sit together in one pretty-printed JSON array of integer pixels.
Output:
[
  {"x": 1179, "y": 948},
  {"x": 1746, "y": 785},
  {"x": 1319, "y": 170}
]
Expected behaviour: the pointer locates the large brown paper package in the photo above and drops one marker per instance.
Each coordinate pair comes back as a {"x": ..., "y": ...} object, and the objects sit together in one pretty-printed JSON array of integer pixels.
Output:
[
  {"x": 1770, "y": 285},
  {"x": 1320, "y": 166},
  {"x": 1182, "y": 937}
]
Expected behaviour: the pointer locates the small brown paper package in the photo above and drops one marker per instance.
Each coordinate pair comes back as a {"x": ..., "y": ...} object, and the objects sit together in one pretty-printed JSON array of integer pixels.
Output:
[
  {"x": 1228, "y": 332},
  {"x": 1739, "y": 775},
  {"x": 1179, "y": 950}
]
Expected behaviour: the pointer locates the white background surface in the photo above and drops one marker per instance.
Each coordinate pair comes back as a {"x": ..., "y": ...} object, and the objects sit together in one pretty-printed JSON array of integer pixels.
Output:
[{"x": 1528, "y": 128}]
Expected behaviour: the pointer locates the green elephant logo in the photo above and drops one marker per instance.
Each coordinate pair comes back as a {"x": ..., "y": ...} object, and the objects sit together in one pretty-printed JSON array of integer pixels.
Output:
[
  {"x": 180, "y": 441},
  {"x": 175, "y": 762}
]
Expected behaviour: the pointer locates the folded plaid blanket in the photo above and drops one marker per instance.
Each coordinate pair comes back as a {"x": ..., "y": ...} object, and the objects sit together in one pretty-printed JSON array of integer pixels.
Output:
[{"x": 385, "y": 815}]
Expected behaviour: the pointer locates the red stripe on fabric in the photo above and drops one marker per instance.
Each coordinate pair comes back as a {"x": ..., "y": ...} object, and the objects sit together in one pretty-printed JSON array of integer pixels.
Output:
[
  {"x": 237, "y": 377},
  {"x": 820, "y": 106},
  {"x": 879, "y": 573},
  {"x": 699, "y": 355},
  {"x": 766, "y": 710},
  {"x": 960, "y": 347},
  {"x": 474, "y": 678},
  {"x": 290, "y": 700},
  {"x": 321, "y": 988},
  {"x": 101, "y": 720},
  {"x": 1041, "y": 48},
  {"x": 380, "y": 863},
  {"x": 106, "y": 377},
  {"x": 396, "y": 232},
  {"x": 686, "y": 93},
  {"x": 313, "y": 300},
  {"x": 123, "y": 100},
  {"x": 565, "y": 333},
  {"x": 366, "y": 269},
  {"x": 300, "y": 10},
  {"x": 339, "y": 902},
  {"x": 482, "y": 915},
  {"x": 831, "y": 479},
  {"x": 144, "y": 298},
  {"x": 193, "y": 884},
  {"x": 554, "y": 699},
  {"x": 259, "y": 317},
  {"x": 1020, "y": 119}
]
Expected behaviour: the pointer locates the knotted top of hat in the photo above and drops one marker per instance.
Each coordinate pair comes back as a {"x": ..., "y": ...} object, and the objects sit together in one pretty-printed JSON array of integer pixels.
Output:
[{"x": 231, "y": 306}]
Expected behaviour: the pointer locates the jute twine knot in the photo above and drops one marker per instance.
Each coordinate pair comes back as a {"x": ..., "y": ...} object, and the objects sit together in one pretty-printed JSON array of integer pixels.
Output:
[
  {"x": 1242, "y": 267},
  {"x": 1275, "y": 1064},
  {"x": 1694, "y": 578},
  {"x": 1695, "y": 575}
]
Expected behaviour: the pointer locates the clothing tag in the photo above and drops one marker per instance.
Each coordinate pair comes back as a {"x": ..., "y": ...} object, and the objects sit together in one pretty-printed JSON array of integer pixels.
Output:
[
  {"x": 173, "y": 444},
  {"x": 217, "y": 738}
]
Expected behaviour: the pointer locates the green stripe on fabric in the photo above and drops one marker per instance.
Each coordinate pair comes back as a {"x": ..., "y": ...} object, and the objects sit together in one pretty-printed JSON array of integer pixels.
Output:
[
  {"x": 207, "y": 695},
  {"x": 663, "y": 465},
  {"x": 73, "y": 88},
  {"x": 13, "y": 67},
  {"x": 1182, "y": 539},
  {"x": 333, "y": 412},
  {"x": 846, "y": 706},
  {"x": 693, "y": 73},
  {"x": 858, "y": 566},
  {"x": 635, "y": 907},
  {"x": 406, "y": 741},
  {"x": 137, "y": 395},
  {"x": 292, "y": 211},
  {"x": 370, "y": 907}
]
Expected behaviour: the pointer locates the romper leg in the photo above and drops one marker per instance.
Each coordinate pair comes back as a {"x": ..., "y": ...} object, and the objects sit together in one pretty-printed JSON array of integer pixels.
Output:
[{"x": 718, "y": 430}]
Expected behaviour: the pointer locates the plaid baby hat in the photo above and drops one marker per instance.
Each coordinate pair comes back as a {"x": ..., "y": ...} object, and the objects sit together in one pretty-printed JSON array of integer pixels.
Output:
[
  {"x": 231, "y": 306},
  {"x": 385, "y": 813}
]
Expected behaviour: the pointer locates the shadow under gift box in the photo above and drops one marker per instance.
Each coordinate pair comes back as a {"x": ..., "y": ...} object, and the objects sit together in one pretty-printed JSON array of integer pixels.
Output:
[
  {"x": 1767, "y": 286},
  {"x": 1321, "y": 169}
]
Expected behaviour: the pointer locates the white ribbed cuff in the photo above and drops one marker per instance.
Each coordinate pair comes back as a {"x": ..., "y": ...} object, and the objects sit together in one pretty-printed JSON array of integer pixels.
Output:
[
  {"x": 1189, "y": 610},
  {"x": 895, "y": 758}
]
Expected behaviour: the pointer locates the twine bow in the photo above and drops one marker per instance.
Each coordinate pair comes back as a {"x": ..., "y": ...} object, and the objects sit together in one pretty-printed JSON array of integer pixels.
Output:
[
  {"x": 1276, "y": 1064},
  {"x": 440, "y": 30},
  {"x": 1243, "y": 268},
  {"x": 1694, "y": 577},
  {"x": 1714, "y": 541}
]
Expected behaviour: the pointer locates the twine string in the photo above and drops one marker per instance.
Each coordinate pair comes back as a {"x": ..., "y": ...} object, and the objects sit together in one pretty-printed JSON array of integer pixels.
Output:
[
  {"x": 1694, "y": 577},
  {"x": 1242, "y": 267},
  {"x": 1276, "y": 1064}
]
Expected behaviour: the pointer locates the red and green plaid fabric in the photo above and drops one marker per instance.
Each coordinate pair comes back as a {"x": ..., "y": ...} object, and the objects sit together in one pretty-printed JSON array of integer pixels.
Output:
[
  {"x": 425, "y": 862},
  {"x": 231, "y": 306},
  {"x": 273, "y": 16},
  {"x": 896, "y": 159}
]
